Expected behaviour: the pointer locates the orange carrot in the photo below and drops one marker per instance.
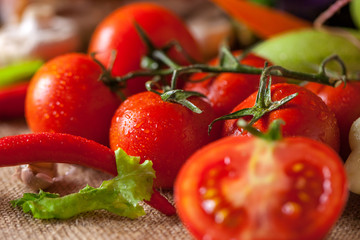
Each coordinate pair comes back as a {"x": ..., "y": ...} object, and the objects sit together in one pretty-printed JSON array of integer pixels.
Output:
[{"x": 264, "y": 21}]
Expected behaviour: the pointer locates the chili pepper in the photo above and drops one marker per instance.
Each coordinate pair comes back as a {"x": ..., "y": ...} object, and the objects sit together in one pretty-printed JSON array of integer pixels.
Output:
[
  {"x": 12, "y": 100},
  {"x": 65, "y": 148}
]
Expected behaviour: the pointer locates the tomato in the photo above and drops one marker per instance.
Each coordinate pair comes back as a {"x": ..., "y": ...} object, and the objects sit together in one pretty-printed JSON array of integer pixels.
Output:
[
  {"x": 117, "y": 32},
  {"x": 66, "y": 96},
  {"x": 305, "y": 115},
  {"x": 165, "y": 133},
  {"x": 344, "y": 102},
  {"x": 227, "y": 90},
  {"x": 250, "y": 188}
]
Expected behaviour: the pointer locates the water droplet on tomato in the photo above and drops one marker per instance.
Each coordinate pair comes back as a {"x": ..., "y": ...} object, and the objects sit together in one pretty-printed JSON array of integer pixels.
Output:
[
  {"x": 202, "y": 190},
  {"x": 127, "y": 115},
  {"x": 208, "y": 206},
  {"x": 323, "y": 116},
  {"x": 221, "y": 215},
  {"x": 55, "y": 114},
  {"x": 227, "y": 160},
  {"x": 292, "y": 209},
  {"x": 138, "y": 125}
]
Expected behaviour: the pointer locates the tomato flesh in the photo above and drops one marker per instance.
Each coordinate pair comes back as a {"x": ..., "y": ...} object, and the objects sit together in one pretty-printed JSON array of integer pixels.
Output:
[{"x": 241, "y": 188}]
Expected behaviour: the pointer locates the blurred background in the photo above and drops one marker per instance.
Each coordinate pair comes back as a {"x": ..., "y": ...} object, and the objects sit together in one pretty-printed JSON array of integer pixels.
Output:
[{"x": 46, "y": 28}]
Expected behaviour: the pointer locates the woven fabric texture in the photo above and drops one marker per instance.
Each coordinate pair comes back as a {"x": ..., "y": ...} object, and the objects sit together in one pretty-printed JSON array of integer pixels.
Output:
[{"x": 14, "y": 224}]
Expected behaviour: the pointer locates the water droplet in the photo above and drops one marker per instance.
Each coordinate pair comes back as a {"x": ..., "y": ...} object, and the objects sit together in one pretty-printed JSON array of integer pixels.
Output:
[
  {"x": 291, "y": 208},
  {"x": 227, "y": 160},
  {"x": 139, "y": 124},
  {"x": 323, "y": 116},
  {"x": 208, "y": 206}
]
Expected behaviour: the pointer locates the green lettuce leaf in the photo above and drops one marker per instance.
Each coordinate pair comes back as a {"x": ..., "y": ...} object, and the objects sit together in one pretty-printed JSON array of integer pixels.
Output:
[{"x": 120, "y": 195}]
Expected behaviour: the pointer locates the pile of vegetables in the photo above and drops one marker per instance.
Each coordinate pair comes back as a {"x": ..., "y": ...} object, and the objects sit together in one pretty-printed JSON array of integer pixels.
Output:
[{"x": 253, "y": 143}]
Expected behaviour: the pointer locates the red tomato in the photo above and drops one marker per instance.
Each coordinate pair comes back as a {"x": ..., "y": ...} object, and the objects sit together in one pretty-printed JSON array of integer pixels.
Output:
[
  {"x": 305, "y": 115},
  {"x": 66, "y": 96},
  {"x": 250, "y": 188},
  {"x": 163, "y": 132},
  {"x": 117, "y": 32},
  {"x": 227, "y": 90},
  {"x": 344, "y": 102}
]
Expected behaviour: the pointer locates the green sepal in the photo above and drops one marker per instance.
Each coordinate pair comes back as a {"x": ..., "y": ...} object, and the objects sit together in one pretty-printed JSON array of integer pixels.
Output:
[
  {"x": 149, "y": 63},
  {"x": 263, "y": 103},
  {"x": 181, "y": 97},
  {"x": 227, "y": 59},
  {"x": 273, "y": 133}
]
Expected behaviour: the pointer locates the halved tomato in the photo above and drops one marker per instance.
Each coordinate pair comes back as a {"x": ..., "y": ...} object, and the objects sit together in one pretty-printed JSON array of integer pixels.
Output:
[{"x": 251, "y": 188}]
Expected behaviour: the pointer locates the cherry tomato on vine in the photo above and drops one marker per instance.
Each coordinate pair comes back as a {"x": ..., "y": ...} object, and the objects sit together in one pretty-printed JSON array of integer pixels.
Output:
[
  {"x": 117, "y": 32},
  {"x": 305, "y": 115},
  {"x": 66, "y": 96},
  {"x": 164, "y": 132},
  {"x": 227, "y": 90},
  {"x": 344, "y": 102},
  {"x": 250, "y": 188}
]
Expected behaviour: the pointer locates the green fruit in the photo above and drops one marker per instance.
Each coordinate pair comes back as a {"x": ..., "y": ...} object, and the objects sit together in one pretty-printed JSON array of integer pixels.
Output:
[
  {"x": 304, "y": 50},
  {"x": 355, "y": 12}
]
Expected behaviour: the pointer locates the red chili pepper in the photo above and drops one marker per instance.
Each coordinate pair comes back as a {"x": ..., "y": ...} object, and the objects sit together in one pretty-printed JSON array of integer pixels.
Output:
[
  {"x": 65, "y": 148},
  {"x": 12, "y": 100}
]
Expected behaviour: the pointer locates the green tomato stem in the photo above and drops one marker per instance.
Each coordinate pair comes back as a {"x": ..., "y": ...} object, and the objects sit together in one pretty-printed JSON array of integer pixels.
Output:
[
  {"x": 156, "y": 58},
  {"x": 273, "y": 133},
  {"x": 320, "y": 77},
  {"x": 263, "y": 103}
]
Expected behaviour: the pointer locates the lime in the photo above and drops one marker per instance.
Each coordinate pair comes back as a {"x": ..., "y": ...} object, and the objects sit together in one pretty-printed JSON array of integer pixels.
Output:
[
  {"x": 304, "y": 50},
  {"x": 355, "y": 12}
]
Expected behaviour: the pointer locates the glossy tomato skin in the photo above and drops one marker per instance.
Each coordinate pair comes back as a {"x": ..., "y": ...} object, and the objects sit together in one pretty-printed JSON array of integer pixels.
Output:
[
  {"x": 305, "y": 115},
  {"x": 225, "y": 91},
  {"x": 66, "y": 96},
  {"x": 117, "y": 32},
  {"x": 249, "y": 188},
  {"x": 163, "y": 132},
  {"x": 344, "y": 102}
]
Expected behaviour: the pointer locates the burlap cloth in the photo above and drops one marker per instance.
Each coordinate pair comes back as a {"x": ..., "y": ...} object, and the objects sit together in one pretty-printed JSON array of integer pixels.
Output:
[{"x": 15, "y": 224}]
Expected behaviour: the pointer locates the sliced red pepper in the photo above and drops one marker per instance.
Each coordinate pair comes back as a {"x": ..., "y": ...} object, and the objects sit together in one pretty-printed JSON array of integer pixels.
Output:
[
  {"x": 65, "y": 148},
  {"x": 12, "y": 100}
]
